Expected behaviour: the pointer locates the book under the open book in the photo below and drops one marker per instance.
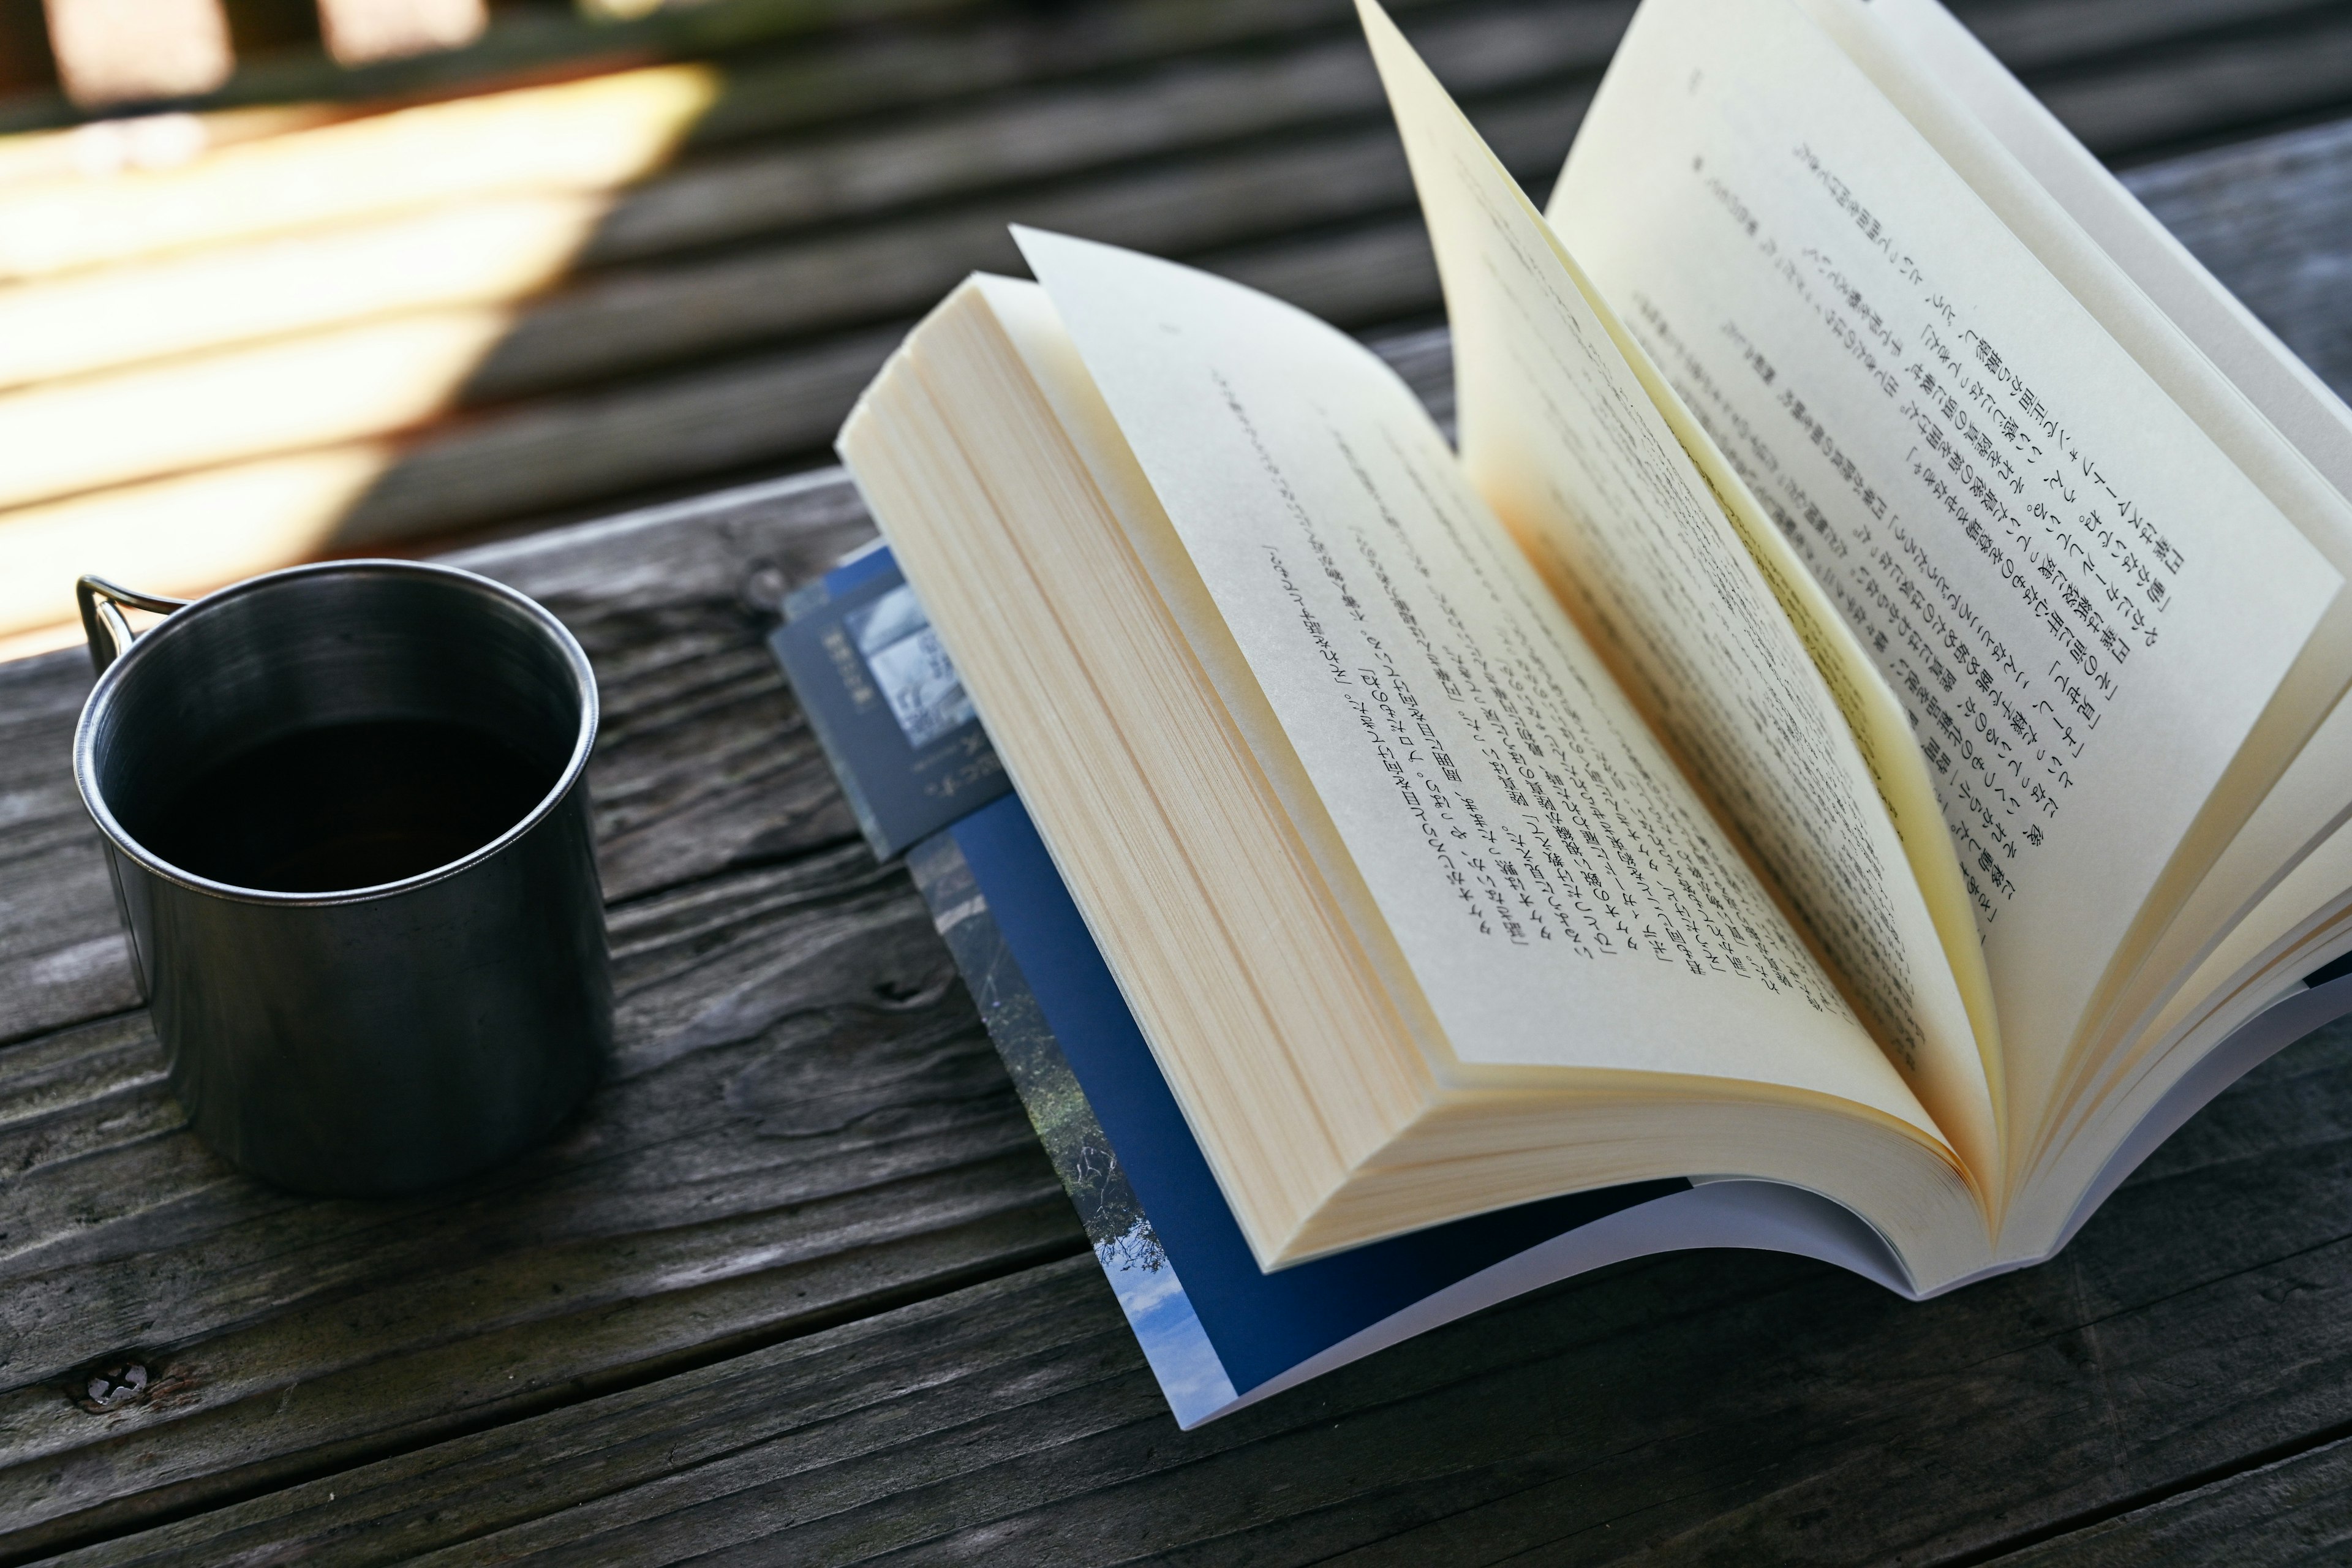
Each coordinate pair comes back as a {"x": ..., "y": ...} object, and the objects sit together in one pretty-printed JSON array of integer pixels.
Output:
[{"x": 1859, "y": 710}]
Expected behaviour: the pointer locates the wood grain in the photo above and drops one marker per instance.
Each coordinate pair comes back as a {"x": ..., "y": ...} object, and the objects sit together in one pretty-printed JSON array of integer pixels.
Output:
[
  {"x": 61, "y": 952},
  {"x": 1722, "y": 1408},
  {"x": 2274, "y": 218},
  {"x": 632, "y": 318},
  {"x": 768, "y": 411},
  {"x": 807, "y": 1124},
  {"x": 2095, "y": 36},
  {"x": 2268, "y": 217},
  {"x": 2296, "y": 1510},
  {"x": 1192, "y": 102},
  {"x": 2206, "y": 87}
]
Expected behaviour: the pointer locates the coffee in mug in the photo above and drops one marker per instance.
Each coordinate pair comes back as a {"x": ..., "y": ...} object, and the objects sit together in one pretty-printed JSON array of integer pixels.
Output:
[{"x": 345, "y": 810}]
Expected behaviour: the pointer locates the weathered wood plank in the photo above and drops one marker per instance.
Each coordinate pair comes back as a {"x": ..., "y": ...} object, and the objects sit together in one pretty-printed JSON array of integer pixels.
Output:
[
  {"x": 62, "y": 951},
  {"x": 780, "y": 186},
  {"x": 2203, "y": 89},
  {"x": 1196, "y": 102},
  {"x": 524, "y": 41},
  {"x": 2295, "y": 1510},
  {"x": 2274, "y": 220},
  {"x": 2034, "y": 37},
  {"x": 903, "y": 1163},
  {"x": 704, "y": 765},
  {"x": 798, "y": 70},
  {"x": 807, "y": 1124},
  {"x": 764, "y": 412},
  {"x": 593, "y": 135},
  {"x": 1715, "y": 1408},
  {"x": 2057, "y": 43},
  {"x": 994, "y": 50},
  {"x": 743, "y": 414},
  {"x": 790, "y": 63},
  {"x": 845, "y": 1396},
  {"x": 2268, "y": 218},
  {"x": 630, "y": 319},
  {"x": 635, "y": 319}
]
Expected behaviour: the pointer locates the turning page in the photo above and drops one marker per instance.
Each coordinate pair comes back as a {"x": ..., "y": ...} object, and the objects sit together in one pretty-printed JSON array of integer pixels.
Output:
[
  {"x": 2082, "y": 604},
  {"x": 1561, "y": 439},
  {"x": 2229, "y": 373},
  {"x": 1557, "y": 891}
]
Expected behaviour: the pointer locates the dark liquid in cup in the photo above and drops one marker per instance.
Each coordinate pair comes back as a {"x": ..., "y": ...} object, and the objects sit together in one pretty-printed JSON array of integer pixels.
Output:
[{"x": 348, "y": 806}]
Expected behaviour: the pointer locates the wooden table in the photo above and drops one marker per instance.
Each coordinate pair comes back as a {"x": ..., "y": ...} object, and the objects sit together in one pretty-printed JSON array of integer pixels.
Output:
[{"x": 799, "y": 1286}]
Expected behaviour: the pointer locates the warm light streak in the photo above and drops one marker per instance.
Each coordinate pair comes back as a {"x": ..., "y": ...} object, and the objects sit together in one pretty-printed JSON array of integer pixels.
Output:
[
  {"x": 592, "y": 135},
  {"x": 470, "y": 253},
  {"x": 65, "y": 437},
  {"x": 210, "y": 361},
  {"x": 105, "y": 147},
  {"x": 184, "y": 535}
]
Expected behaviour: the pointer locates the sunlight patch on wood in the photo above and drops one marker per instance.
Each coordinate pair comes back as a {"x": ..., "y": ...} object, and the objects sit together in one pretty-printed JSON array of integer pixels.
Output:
[
  {"x": 208, "y": 347},
  {"x": 184, "y": 535},
  {"x": 40, "y": 640},
  {"x": 63, "y": 438},
  {"x": 107, "y": 147},
  {"x": 590, "y": 135},
  {"x": 469, "y": 253}
]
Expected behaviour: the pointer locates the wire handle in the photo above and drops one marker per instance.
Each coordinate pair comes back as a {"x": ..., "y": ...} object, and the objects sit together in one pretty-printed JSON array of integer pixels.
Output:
[{"x": 102, "y": 621}]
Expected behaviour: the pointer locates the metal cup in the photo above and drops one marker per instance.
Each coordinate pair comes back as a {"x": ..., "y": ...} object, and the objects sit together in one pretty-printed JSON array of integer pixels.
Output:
[{"x": 372, "y": 1040}]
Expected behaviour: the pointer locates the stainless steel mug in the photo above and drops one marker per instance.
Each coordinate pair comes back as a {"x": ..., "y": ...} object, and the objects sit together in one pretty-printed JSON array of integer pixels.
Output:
[{"x": 417, "y": 1026}]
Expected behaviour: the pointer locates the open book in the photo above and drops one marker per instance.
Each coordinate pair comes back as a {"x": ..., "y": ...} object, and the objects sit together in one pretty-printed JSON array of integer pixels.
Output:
[{"x": 1859, "y": 711}]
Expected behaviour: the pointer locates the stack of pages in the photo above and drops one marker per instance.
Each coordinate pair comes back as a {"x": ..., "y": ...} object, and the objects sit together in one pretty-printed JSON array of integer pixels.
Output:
[{"x": 1844, "y": 758}]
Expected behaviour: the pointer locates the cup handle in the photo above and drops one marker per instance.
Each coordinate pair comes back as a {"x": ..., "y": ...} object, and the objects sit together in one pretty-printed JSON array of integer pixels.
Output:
[{"x": 102, "y": 620}]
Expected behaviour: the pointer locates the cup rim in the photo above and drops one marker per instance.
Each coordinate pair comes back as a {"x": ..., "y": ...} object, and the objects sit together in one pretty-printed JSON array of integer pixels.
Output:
[{"x": 102, "y": 695}]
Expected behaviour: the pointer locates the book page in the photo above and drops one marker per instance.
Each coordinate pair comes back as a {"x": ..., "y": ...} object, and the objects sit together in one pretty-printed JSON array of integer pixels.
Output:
[
  {"x": 2082, "y": 604},
  {"x": 1560, "y": 893},
  {"x": 2298, "y": 409},
  {"x": 1561, "y": 439},
  {"x": 2244, "y": 389}
]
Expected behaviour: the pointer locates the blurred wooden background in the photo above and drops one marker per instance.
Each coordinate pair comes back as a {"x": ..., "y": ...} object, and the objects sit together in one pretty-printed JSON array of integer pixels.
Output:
[{"x": 476, "y": 268}]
